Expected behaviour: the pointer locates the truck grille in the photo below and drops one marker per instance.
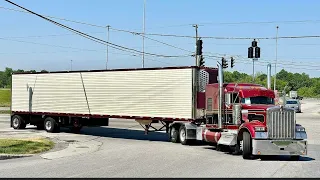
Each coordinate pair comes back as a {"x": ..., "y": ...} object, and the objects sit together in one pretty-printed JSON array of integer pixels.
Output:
[{"x": 281, "y": 124}]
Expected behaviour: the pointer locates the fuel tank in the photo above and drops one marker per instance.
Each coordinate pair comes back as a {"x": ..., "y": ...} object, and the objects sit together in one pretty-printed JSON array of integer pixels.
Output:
[{"x": 210, "y": 136}]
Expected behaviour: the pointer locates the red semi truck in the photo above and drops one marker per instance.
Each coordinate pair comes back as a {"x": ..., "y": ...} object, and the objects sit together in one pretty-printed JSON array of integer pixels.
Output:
[{"x": 193, "y": 103}]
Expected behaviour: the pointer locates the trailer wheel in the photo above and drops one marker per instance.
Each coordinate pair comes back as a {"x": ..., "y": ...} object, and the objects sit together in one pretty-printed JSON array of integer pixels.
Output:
[
  {"x": 174, "y": 137},
  {"x": 247, "y": 148},
  {"x": 50, "y": 125},
  {"x": 18, "y": 122}
]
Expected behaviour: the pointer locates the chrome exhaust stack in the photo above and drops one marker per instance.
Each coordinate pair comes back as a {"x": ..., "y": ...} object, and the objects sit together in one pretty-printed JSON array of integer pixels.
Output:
[
  {"x": 220, "y": 81},
  {"x": 269, "y": 76}
]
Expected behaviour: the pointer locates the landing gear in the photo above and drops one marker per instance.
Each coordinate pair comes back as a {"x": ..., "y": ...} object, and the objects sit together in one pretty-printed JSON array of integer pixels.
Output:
[
  {"x": 76, "y": 126},
  {"x": 147, "y": 124}
]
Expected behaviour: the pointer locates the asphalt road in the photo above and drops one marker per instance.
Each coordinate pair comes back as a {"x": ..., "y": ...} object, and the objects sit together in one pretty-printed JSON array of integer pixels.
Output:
[{"x": 122, "y": 150}]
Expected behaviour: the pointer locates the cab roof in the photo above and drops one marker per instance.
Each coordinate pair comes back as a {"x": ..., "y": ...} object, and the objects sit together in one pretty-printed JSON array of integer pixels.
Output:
[{"x": 247, "y": 89}]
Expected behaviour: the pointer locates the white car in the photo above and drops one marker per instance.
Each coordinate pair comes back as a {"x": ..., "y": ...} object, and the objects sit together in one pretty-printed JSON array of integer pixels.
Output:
[{"x": 295, "y": 104}]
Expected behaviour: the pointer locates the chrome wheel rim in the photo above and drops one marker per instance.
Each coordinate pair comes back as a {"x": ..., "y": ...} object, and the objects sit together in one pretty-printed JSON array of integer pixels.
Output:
[
  {"x": 48, "y": 125},
  {"x": 182, "y": 134},
  {"x": 15, "y": 122}
]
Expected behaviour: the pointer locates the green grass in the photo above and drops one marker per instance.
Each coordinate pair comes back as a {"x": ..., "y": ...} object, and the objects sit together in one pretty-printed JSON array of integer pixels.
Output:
[
  {"x": 5, "y": 97},
  {"x": 5, "y": 112},
  {"x": 25, "y": 146}
]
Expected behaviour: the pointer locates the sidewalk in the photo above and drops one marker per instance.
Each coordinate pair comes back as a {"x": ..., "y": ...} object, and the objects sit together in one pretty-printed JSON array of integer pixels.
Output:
[
  {"x": 4, "y": 108},
  {"x": 4, "y": 117}
]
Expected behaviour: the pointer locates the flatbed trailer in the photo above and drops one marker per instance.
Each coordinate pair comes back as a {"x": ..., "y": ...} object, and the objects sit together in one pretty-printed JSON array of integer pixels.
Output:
[{"x": 50, "y": 100}]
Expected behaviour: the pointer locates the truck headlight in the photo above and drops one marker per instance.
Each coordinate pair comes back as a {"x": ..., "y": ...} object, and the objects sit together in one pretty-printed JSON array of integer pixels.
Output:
[
  {"x": 300, "y": 129},
  {"x": 260, "y": 129}
]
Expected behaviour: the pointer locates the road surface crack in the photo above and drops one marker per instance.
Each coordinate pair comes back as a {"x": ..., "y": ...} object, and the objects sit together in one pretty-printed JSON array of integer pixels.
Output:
[{"x": 279, "y": 169}]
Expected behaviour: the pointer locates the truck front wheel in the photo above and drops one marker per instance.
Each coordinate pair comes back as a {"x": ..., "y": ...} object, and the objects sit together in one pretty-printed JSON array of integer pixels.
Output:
[
  {"x": 50, "y": 125},
  {"x": 247, "y": 146}
]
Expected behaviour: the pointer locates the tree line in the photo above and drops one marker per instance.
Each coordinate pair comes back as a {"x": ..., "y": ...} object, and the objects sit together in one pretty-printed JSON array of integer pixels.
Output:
[
  {"x": 286, "y": 81},
  {"x": 5, "y": 76}
]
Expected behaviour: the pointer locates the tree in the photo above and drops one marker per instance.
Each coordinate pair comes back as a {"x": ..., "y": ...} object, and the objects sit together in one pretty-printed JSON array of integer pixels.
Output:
[{"x": 7, "y": 74}]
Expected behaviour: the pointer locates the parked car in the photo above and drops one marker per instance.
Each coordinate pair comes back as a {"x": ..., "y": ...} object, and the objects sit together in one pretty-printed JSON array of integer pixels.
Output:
[{"x": 295, "y": 104}]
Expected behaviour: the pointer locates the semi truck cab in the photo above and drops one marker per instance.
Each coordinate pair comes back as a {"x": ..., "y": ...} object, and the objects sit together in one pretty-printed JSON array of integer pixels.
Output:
[{"x": 252, "y": 123}]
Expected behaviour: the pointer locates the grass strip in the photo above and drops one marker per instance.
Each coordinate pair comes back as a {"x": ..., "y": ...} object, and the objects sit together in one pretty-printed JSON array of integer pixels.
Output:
[{"x": 25, "y": 146}]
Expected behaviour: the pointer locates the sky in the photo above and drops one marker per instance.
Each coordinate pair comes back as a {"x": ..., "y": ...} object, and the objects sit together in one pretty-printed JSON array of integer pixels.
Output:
[{"x": 29, "y": 42}]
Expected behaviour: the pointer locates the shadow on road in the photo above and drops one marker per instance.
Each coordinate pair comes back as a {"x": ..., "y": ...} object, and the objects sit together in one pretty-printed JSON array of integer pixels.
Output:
[
  {"x": 122, "y": 133},
  {"x": 265, "y": 158},
  {"x": 284, "y": 158}
]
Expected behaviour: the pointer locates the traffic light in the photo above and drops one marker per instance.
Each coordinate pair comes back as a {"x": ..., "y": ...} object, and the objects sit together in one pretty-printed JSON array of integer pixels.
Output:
[
  {"x": 201, "y": 63},
  {"x": 250, "y": 52},
  {"x": 199, "y": 47},
  {"x": 257, "y": 52},
  {"x": 254, "y": 43},
  {"x": 232, "y": 62},
  {"x": 224, "y": 63}
]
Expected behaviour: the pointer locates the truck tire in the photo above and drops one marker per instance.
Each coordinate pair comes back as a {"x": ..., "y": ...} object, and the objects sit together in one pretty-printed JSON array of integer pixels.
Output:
[
  {"x": 50, "y": 125},
  {"x": 183, "y": 136},
  {"x": 18, "y": 122},
  {"x": 247, "y": 146},
  {"x": 173, "y": 135}
]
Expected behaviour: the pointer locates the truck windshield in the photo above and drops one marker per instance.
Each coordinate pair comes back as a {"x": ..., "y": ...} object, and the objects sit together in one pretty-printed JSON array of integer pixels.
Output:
[{"x": 257, "y": 100}]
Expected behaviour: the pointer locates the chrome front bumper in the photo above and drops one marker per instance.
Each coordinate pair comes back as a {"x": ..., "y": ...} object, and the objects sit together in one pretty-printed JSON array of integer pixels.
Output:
[{"x": 279, "y": 147}]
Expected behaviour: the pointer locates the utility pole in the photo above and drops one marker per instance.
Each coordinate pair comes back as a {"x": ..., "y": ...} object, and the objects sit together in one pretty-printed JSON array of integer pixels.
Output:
[
  {"x": 108, "y": 27},
  {"x": 144, "y": 28},
  {"x": 196, "y": 56},
  {"x": 253, "y": 69},
  {"x": 275, "y": 66},
  {"x": 71, "y": 64}
]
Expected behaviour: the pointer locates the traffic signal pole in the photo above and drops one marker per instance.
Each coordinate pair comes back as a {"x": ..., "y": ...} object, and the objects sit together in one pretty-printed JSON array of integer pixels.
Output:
[
  {"x": 196, "y": 54},
  {"x": 253, "y": 69}
]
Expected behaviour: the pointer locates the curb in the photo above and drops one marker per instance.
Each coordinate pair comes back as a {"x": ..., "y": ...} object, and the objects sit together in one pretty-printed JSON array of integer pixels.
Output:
[{"x": 14, "y": 156}]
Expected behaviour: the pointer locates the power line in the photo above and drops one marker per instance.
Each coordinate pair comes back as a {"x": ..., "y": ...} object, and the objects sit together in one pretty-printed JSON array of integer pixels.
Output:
[
  {"x": 89, "y": 36},
  {"x": 99, "y": 26},
  {"x": 42, "y": 44},
  {"x": 140, "y": 34},
  {"x": 49, "y": 35},
  {"x": 63, "y": 19},
  {"x": 260, "y": 22},
  {"x": 186, "y": 36},
  {"x": 281, "y": 65},
  {"x": 242, "y": 23}
]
